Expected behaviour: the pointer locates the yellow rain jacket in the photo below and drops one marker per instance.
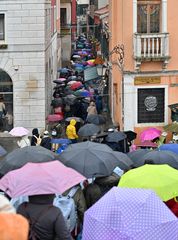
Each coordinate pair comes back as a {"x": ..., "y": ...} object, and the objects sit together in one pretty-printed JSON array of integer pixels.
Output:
[{"x": 71, "y": 130}]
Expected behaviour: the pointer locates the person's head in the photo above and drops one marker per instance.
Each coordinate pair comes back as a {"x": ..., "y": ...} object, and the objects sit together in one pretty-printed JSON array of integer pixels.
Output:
[
  {"x": 72, "y": 122},
  {"x": 13, "y": 226},
  {"x": 92, "y": 104},
  {"x": 5, "y": 206},
  {"x": 46, "y": 133},
  {"x": 41, "y": 199},
  {"x": 35, "y": 131}
]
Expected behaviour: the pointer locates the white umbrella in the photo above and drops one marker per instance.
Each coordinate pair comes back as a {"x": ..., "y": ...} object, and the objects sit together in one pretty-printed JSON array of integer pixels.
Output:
[{"x": 19, "y": 131}]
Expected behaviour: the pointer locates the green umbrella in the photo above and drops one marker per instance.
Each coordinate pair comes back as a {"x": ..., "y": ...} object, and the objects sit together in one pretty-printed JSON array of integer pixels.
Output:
[
  {"x": 163, "y": 179},
  {"x": 172, "y": 127}
]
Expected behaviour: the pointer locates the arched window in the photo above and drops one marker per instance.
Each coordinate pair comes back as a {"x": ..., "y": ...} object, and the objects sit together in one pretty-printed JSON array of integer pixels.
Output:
[{"x": 6, "y": 93}]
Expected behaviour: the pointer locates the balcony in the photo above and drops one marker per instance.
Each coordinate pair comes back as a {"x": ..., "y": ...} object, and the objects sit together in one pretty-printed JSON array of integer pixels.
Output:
[
  {"x": 65, "y": 30},
  {"x": 151, "y": 47}
]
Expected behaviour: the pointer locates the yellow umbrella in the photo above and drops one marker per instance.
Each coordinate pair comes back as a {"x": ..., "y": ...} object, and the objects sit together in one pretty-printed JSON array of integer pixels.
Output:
[{"x": 163, "y": 179}]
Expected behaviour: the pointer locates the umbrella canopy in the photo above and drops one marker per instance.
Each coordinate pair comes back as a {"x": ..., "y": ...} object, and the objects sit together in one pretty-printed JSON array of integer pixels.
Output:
[
  {"x": 148, "y": 144},
  {"x": 76, "y": 56},
  {"x": 137, "y": 157},
  {"x": 70, "y": 99},
  {"x": 19, "y": 157},
  {"x": 172, "y": 127},
  {"x": 162, "y": 157},
  {"x": 54, "y": 117},
  {"x": 57, "y": 102},
  {"x": 94, "y": 159},
  {"x": 40, "y": 178},
  {"x": 2, "y": 151},
  {"x": 116, "y": 137},
  {"x": 72, "y": 78},
  {"x": 82, "y": 93},
  {"x": 88, "y": 130},
  {"x": 19, "y": 131},
  {"x": 130, "y": 214},
  {"x": 61, "y": 141},
  {"x": 76, "y": 85},
  {"x": 173, "y": 147},
  {"x": 163, "y": 179},
  {"x": 130, "y": 135},
  {"x": 59, "y": 80},
  {"x": 71, "y": 82},
  {"x": 63, "y": 70},
  {"x": 96, "y": 119},
  {"x": 150, "y": 134},
  {"x": 77, "y": 119}
]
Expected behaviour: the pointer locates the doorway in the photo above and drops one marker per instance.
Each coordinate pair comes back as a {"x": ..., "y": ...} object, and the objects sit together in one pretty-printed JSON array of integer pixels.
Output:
[{"x": 6, "y": 95}]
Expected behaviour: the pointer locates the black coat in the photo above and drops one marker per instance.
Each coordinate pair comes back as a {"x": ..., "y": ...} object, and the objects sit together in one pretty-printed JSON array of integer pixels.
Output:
[
  {"x": 46, "y": 142},
  {"x": 51, "y": 225}
]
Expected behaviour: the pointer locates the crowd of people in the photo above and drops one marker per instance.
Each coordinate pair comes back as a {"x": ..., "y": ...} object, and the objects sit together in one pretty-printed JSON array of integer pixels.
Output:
[{"x": 76, "y": 104}]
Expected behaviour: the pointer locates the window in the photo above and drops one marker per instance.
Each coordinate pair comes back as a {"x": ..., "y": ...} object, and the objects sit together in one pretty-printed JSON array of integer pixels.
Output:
[
  {"x": 63, "y": 16},
  {"x": 148, "y": 16},
  {"x": 2, "y": 27},
  {"x": 151, "y": 105}
]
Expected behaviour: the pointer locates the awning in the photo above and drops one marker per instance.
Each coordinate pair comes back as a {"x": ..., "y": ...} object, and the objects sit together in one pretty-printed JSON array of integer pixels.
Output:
[
  {"x": 91, "y": 74},
  {"x": 103, "y": 10}
]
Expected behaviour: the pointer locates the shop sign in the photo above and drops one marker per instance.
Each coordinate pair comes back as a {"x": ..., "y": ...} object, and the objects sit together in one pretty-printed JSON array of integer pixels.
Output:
[{"x": 146, "y": 80}]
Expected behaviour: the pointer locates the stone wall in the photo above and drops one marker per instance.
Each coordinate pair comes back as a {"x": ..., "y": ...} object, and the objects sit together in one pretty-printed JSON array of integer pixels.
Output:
[{"x": 26, "y": 57}]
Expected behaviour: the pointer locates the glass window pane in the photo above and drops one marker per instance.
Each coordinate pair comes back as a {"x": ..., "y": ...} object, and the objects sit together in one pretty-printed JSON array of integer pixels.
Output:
[
  {"x": 154, "y": 18},
  {"x": 2, "y": 27},
  {"x": 142, "y": 11}
]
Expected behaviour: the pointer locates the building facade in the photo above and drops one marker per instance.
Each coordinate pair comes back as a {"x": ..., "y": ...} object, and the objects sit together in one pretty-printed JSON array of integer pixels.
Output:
[
  {"x": 28, "y": 59},
  {"x": 66, "y": 30},
  {"x": 144, "y": 74}
]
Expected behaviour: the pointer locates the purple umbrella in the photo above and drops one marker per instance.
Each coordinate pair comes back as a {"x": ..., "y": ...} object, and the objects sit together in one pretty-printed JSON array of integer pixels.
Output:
[{"x": 130, "y": 214}]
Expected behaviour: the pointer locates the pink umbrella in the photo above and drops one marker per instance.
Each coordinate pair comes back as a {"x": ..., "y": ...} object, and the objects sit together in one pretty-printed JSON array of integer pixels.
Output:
[
  {"x": 19, "y": 131},
  {"x": 40, "y": 178},
  {"x": 147, "y": 144},
  {"x": 150, "y": 134},
  {"x": 55, "y": 117}
]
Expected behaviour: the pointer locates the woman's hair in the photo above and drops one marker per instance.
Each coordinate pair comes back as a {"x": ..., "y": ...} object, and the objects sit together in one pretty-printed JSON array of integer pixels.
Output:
[{"x": 35, "y": 131}]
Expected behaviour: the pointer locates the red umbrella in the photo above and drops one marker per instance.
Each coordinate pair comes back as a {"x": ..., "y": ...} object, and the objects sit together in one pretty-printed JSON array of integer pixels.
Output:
[
  {"x": 55, "y": 117},
  {"x": 76, "y": 85}
]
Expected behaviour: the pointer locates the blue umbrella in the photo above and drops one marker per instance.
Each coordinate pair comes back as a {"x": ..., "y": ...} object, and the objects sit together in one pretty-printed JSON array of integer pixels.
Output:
[
  {"x": 173, "y": 147},
  {"x": 2, "y": 151},
  {"x": 78, "y": 65},
  {"x": 63, "y": 70},
  {"x": 61, "y": 141}
]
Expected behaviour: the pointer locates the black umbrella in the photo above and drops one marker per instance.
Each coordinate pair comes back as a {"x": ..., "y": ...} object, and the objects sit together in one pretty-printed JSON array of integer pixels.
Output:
[
  {"x": 70, "y": 99},
  {"x": 77, "y": 119},
  {"x": 94, "y": 159},
  {"x": 57, "y": 102},
  {"x": 137, "y": 157},
  {"x": 2, "y": 151},
  {"x": 19, "y": 157},
  {"x": 88, "y": 130},
  {"x": 130, "y": 135},
  {"x": 96, "y": 119},
  {"x": 161, "y": 157},
  {"x": 116, "y": 137}
]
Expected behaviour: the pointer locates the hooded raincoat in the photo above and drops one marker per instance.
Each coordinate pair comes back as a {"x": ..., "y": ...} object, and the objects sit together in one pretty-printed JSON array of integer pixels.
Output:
[{"x": 71, "y": 130}]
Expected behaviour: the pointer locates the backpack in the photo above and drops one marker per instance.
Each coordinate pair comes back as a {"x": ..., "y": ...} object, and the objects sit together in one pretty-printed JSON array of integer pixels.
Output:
[
  {"x": 38, "y": 140},
  {"x": 68, "y": 208}
]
